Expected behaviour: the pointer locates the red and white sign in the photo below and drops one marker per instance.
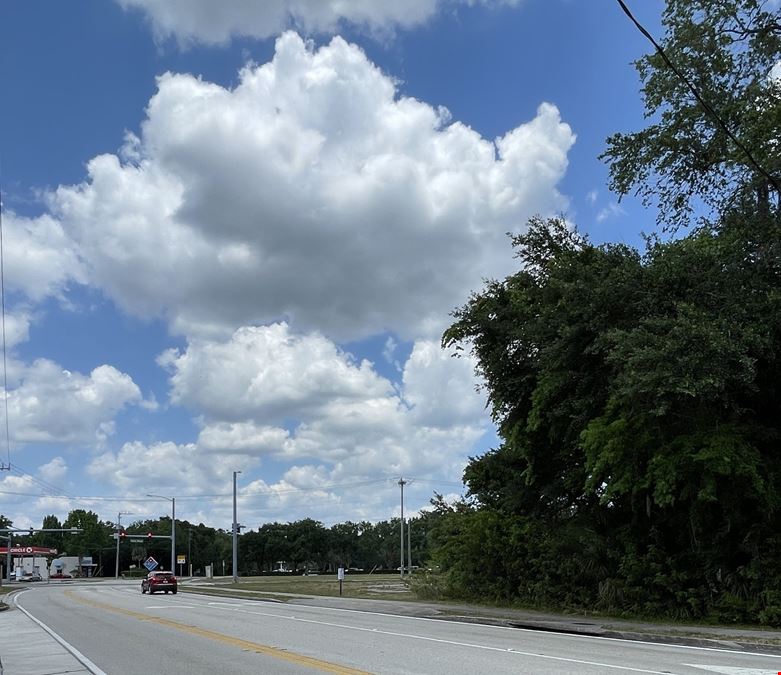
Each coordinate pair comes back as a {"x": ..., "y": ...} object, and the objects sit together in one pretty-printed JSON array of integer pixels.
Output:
[{"x": 28, "y": 550}]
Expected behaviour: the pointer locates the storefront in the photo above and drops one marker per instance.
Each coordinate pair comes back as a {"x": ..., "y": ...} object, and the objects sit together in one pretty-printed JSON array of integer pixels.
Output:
[{"x": 28, "y": 562}]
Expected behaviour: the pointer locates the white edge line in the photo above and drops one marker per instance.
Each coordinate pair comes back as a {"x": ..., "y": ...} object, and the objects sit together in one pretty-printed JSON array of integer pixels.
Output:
[
  {"x": 582, "y": 636},
  {"x": 625, "y": 641},
  {"x": 73, "y": 651}
]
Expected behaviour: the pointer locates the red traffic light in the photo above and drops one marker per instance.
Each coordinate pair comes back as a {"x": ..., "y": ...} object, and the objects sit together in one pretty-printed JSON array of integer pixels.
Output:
[
  {"x": 148, "y": 535},
  {"x": 122, "y": 534}
]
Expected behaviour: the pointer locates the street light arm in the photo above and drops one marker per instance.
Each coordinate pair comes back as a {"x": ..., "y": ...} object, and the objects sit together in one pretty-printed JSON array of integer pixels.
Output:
[{"x": 173, "y": 527}]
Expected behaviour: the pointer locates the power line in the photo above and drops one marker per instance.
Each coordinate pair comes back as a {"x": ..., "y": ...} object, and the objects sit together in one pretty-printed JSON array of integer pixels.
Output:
[
  {"x": 433, "y": 481},
  {"x": 44, "y": 485},
  {"x": 699, "y": 98},
  {"x": 23, "y": 494}
]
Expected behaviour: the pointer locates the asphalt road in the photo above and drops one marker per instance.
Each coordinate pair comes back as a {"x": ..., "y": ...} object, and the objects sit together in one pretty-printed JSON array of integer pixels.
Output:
[{"x": 124, "y": 632}]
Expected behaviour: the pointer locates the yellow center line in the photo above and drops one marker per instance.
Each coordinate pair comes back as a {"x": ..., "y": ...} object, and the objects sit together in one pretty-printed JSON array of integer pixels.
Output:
[{"x": 266, "y": 650}]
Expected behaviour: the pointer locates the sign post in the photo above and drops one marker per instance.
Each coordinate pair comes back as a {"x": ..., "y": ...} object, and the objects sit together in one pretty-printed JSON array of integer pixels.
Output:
[
  {"x": 180, "y": 560},
  {"x": 150, "y": 563},
  {"x": 340, "y": 576}
]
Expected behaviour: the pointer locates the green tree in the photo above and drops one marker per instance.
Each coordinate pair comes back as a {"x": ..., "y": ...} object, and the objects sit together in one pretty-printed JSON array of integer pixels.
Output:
[
  {"x": 343, "y": 542},
  {"x": 93, "y": 539},
  {"x": 535, "y": 335},
  {"x": 138, "y": 554},
  {"x": 637, "y": 398},
  {"x": 276, "y": 544},
  {"x": 307, "y": 542},
  {"x": 49, "y": 539},
  {"x": 684, "y": 159}
]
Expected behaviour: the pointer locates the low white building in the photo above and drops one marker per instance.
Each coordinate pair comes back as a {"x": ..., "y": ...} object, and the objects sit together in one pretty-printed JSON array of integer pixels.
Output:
[
  {"x": 28, "y": 560},
  {"x": 73, "y": 566},
  {"x": 31, "y": 565}
]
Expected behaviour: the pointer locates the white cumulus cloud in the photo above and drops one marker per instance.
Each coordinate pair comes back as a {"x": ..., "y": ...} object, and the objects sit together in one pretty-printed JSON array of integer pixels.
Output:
[
  {"x": 54, "y": 470},
  {"x": 269, "y": 394},
  {"x": 612, "y": 210},
  {"x": 312, "y": 192},
  {"x": 57, "y": 406},
  {"x": 267, "y": 373},
  {"x": 17, "y": 327},
  {"x": 213, "y": 22},
  {"x": 40, "y": 260}
]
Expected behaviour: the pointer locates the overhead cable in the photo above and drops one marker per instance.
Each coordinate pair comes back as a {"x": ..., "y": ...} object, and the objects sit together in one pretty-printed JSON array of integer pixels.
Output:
[{"x": 713, "y": 113}]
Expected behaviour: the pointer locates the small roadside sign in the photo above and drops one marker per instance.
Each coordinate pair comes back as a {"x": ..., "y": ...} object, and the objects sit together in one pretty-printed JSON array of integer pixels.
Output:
[
  {"x": 179, "y": 559},
  {"x": 150, "y": 563}
]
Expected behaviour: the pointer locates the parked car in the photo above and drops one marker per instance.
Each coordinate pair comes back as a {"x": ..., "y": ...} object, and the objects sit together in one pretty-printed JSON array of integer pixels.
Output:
[
  {"x": 159, "y": 581},
  {"x": 59, "y": 575}
]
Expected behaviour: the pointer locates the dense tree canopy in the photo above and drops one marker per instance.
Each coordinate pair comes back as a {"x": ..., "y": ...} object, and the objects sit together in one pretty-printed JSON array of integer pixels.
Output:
[
  {"x": 685, "y": 160},
  {"x": 637, "y": 397},
  {"x": 637, "y": 392}
]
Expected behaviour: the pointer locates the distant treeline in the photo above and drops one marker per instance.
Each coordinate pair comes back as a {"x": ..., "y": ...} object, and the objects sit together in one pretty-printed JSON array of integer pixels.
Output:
[{"x": 301, "y": 545}]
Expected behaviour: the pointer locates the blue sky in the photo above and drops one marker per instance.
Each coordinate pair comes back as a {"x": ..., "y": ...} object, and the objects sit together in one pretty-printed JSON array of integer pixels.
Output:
[{"x": 233, "y": 236}]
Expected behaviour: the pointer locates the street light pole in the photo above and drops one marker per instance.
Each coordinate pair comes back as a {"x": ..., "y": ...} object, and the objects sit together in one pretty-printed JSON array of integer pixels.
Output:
[
  {"x": 119, "y": 529},
  {"x": 409, "y": 548},
  {"x": 235, "y": 534},
  {"x": 173, "y": 528},
  {"x": 402, "y": 483},
  {"x": 173, "y": 535}
]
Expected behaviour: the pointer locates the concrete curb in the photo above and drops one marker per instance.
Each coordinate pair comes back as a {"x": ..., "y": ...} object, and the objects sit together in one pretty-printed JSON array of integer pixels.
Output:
[
  {"x": 595, "y": 630},
  {"x": 52, "y": 653}
]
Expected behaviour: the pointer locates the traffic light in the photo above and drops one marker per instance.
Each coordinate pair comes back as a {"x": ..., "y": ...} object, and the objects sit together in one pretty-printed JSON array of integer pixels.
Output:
[
  {"x": 149, "y": 536},
  {"x": 122, "y": 535}
]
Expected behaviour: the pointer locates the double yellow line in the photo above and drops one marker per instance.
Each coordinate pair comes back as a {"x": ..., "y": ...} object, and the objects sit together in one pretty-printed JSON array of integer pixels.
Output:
[{"x": 246, "y": 645}]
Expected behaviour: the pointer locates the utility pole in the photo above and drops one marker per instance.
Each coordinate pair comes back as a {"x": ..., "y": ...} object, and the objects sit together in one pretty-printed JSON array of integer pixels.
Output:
[
  {"x": 402, "y": 483},
  {"x": 173, "y": 535},
  {"x": 8, "y": 560},
  {"x": 119, "y": 529},
  {"x": 409, "y": 548},
  {"x": 1, "y": 573},
  {"x": 235, "y": 534},
  {"x": 189, "y": 549}
]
